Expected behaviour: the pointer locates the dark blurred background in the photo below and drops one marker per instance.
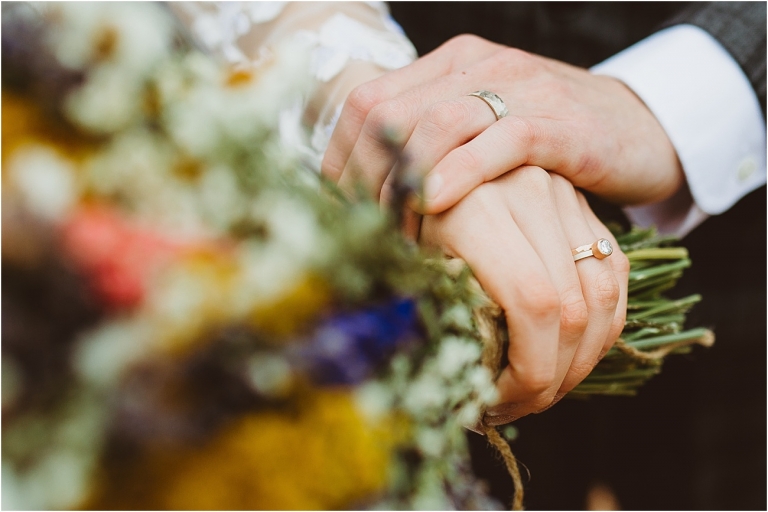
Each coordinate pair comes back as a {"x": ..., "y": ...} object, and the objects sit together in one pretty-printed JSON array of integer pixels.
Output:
[{"x": 695, "y": 436}]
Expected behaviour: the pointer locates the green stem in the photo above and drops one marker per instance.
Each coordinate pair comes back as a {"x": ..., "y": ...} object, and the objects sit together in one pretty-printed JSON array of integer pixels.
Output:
[
  {"x": 668, "y": 339},
  {"x": 659, "y": 270},
  {"x": 666, "y": 280},
  {"x": 669, "y": 306},
  {"x": 661, "y": 253}
]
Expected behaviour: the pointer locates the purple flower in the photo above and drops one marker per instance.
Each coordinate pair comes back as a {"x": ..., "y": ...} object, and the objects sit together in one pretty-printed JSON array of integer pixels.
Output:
[{"x": 348, "y": 347}]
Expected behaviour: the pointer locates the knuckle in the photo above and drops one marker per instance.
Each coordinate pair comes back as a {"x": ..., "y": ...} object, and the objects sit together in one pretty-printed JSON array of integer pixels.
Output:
[
  {"x": 387, "y": 119},
  {"x": 464, "y": 41},
  {"x": 445, "y": 116},
  {"x": 562, "y": 184},
  {"x": 364, "y": 97},
  {"x": 538, "y": 182},
  {"x": 525, "y": 64},
  {"x": 541, "y": 302},
  {"x": 331, "y": 168},
  {"x": 522, "y": 131},
  {"x": 468, "y": 160},
  {"x": 586, "y": 168},
  {"x": 535, "y": 381},
  {"x": 605, "y": 290},
  {"x": 574, "y": 315},
  {"x": 515, "y": 54}
]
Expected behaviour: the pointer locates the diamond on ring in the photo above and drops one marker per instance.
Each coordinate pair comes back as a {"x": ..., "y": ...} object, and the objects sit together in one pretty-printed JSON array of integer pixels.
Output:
[
  {"x": 494, "y": 101},
  {"x": 604, "y": 247},
  {"x": 600, "y": 249}
]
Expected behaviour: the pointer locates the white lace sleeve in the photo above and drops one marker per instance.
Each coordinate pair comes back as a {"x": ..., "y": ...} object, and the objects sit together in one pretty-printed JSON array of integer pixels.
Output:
[{"x": 337, "y": 34}]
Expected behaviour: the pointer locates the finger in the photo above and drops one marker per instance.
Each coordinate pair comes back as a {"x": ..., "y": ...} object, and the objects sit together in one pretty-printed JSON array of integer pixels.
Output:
[
  {"x": 507, "y": 144},
  {"x": 361, "y": 100},
  {"x": 379, "y": 145},
  {"x": 390, "y": 125},
  {"x": 531, "y": 202},
  {"x": 598, "y": 283},
  {"x": 620, "y": 265},
  {"x": 443, "y": 126},
  {"x": 513, "y": 274}
]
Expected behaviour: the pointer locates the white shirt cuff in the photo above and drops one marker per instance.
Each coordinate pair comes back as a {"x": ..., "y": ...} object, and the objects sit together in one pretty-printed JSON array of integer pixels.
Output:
[{"x": 710, "y": 112}]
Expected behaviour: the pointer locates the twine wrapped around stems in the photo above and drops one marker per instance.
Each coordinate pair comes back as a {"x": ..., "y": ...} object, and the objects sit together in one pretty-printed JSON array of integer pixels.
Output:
[{"x": 652, "y": 330}]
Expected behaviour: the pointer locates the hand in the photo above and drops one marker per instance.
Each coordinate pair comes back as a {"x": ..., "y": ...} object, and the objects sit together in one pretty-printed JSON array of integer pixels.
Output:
[
  {"x": 516, "y": 234},
  {"x": 591, "y": 129}
]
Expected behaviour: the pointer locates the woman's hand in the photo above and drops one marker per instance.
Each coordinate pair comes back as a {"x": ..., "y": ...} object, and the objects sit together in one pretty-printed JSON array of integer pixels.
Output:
[
  {"x": 590, "y": 129},
  {"x": 516, "y": 233}
]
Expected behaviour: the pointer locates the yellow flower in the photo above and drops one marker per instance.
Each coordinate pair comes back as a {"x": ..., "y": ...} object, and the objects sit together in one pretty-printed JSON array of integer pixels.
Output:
[
  {"x": 204, "y": 291},
  {"x": 25, "y": 122},
  {"x": 294, "y": 310},
  {"x": 323, "y": 455}
]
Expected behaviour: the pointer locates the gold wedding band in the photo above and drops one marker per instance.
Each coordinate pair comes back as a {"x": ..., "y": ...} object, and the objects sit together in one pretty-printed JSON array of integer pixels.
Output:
[
  {"x": 600, "y": 249},
  {"x": 494, "y": 101}
]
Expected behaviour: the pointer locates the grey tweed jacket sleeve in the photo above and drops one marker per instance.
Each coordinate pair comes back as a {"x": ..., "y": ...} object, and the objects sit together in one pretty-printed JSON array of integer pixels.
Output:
[{"x": 741, "y": 28}]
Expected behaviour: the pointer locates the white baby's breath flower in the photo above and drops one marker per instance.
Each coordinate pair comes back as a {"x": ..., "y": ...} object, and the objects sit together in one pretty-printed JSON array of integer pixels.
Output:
[
  {"x": 374, "y": 400},
  {"x": 468, "y": 414},
  {"x": 145, "y": 34},
  {"x": 275, "y": 266},
  {"x": 58, "y": 476},
  {"x": 425, "y": 395},
  {"x": 430, "y": 492},
  {"x": 104, "y": 353},
  {"x": 131, "y": 36},
  {"x": 191, "y": 122},
  {"x": 220, "y": 197},
  {"x": 107, "y": 102},
  {"x": 73, "y": 37},
  {"x": 269, "y": 272},
  {"x": 134, "y": 166},
  {"x": 57, "y": 481},
  {"x": 431, "y": 441},
  {"x": 455, "y": 354},
  {"x": 480, "y": 379},
  {"x": 204, "y": 69},
  {"x": 45, "y": 179},
  {"x": 178, "y": 299},
  {"x": 269, "y": 374},
  {"x": 458, "y": 316}
]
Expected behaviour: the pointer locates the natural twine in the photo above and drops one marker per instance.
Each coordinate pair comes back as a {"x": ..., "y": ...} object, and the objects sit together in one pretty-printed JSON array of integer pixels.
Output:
[
  {"x": 707, "y": 340},
  {"x": 486, "y": 312}
]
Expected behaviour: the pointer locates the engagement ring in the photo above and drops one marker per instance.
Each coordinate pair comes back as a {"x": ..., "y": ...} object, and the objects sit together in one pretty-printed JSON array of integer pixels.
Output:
[{"x": 600, "y": 249}]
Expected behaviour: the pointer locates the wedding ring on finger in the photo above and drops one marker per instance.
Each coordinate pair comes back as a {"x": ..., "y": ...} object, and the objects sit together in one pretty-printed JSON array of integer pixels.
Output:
[
  {"x": 600, "y": 249},
  {"x": 494, "y": 101}
]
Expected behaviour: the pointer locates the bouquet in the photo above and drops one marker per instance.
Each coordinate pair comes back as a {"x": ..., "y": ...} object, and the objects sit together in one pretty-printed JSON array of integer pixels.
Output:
[{"x": 194, "y": 320}]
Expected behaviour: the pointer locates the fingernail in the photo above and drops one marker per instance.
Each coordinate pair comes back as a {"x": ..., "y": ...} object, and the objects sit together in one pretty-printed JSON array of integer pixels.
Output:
[
  {"x": 476, "y": 428},
  {"x": 432, "y": 185},
  {"x": 501, "y": 409},
  {"x": 495, "y": 421}
]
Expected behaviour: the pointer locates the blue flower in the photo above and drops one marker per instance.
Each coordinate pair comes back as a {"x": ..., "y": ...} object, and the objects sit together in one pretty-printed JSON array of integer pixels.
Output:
[{"x": 347, "y": 347}]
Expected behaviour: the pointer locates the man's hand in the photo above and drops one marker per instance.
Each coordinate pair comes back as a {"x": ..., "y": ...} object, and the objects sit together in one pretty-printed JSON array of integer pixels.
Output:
[
  {"x": 590, "y": 129},
  {"x": 516, "y": 233}
]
